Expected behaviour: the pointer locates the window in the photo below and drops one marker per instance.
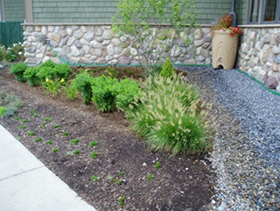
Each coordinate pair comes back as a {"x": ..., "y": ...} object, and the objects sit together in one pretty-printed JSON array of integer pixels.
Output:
[{"x": 264, "y": 11}]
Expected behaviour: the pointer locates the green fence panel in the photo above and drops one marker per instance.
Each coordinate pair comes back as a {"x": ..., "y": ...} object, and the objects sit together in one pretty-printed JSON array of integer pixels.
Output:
[{"x": 11, "y": 32}]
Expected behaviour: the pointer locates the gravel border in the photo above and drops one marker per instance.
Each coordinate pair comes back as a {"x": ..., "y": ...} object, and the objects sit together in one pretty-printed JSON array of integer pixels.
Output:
[{"x": 246, "y": 158}]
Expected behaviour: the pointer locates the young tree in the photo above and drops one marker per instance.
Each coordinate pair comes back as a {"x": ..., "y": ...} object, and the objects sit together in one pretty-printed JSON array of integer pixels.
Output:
[{"x": 155, "y": 28}]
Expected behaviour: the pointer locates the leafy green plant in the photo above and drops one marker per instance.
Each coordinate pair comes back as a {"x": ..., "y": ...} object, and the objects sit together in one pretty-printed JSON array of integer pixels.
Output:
[
  {"x": 70, "y": 91},
  {"x": 62, "y": 71},
  {"x": 104, "y": 93},
  {"x": 94, "y": 154},
  {"x": 47, "y": 119},
  {"x": 121, "y": 200},
  {"x": 45, "y": 72},
  {"x": 53, "y": 86},
  {"x": 49, "y": 64},
  {"x": 25, "y": 120},
  {"x": 18, "y": 70},
  {"x": 31, "y": 76},
  {"x": 2, "y": 111},
  {"x": 56, "y": 126},
  {"x": 10, "y": 56},
  {"x": 157, "y": 166},
  {"x": 16, "y": 118},
  {"x": 111, "y": 72},
  {"x": 32, "y": 112},
  {"x": 83, "y": 83},
  {"x": 170, "y": 116},
  {"x": 77, "y": 152},
  {"x": 66, "y": 134},
  {"x": 119, "y": 182},
  {"x": 122, "y": 173},
  {"x": 93, "y": 143},
  {"x": 38, "y": 139},
  {"x": 22, "y": 127},
  {"x": 167, "y": 69},
  {"x": 35, "y": 115},
  {"x": 111, "y": 178},
  {"x": 43, "y": 125},
  {"x": 50, "y": 142},
  {"x": 74, "y": 141},
  {"x": 126, "y": 92},
  {"x": 94, "y": 178},
  {"x": 55, "y": 149},
  {"x": 30, "y": 133},
  {"x": 133, "y": 19},
  {"x": 150, "y": 177}
]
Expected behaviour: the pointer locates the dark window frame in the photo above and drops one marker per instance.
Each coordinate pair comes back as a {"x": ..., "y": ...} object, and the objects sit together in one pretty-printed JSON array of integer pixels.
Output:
[{"x": 261, "y": 11}]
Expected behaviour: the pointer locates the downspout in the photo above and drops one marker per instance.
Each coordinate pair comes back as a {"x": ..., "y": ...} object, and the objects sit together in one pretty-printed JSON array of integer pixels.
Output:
[{"x": 232, "y": 13}]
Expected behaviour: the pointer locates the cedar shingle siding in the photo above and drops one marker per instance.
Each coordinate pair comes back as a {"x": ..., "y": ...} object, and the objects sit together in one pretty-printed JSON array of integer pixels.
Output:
[
  {"x": 14, "y": 10},
  {"x": 101, "y": 11}
]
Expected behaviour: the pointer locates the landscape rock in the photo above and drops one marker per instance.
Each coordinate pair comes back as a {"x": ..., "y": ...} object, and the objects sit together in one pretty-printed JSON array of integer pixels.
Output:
[
  {"x": 271, "y": 83},
  {"x": 124, "y": 60}
]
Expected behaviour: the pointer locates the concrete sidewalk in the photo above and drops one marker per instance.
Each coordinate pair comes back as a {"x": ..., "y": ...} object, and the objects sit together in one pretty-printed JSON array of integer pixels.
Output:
[{"x": 26, "y": 184}]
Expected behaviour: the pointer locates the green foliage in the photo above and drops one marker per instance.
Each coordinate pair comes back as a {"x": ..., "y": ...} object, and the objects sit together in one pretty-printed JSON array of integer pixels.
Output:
[
  {"x": 25, "y": 120},
  {"x": 31, "y": 76},
  {"x": 150, "y": 177},
  {"x": 56, "y": 126},
  {"x": 45, "y": 72},
  {"x": 134, "y": 17},
  {"x": 169, "y": 114},
  {"x": 121, "y": 200},
  {"x": 16, "y": 118},
  {"x": 167, "y": 69},
  {"x": 104, "y": 93},
  {"x": 83, "y": 83},
  {"x": 66, "y": 134},
  {"x": 122, "y": 173},
  {"x": 43, "y": 125},
  {"x": 119, "y": 182},
  {"x": 94, "y": 154},
  {"x": 111, "y": 72},
  {"x": 55, "y": 149},
  {"x": 93, "y": 144},
  {"x": 94, "y": 178},
  {"x": 77, "y": 152},
  {"x": 18, "y": 70},
  {"x": 126, "y": 91},
  {"x": 74, "y": 141},
  {"x": 11, "y": 104},
  {"x": 30, "y": 133},
  {"x": 32, "y": 112},
  {"x": 157, "y": 166},
  {"x": 62, "y": 71},
  {"x": 15, "y": 52},
  {"x": 111, "y": 178},
  {"x": 50, "y": 142},
  {"x": 53, "y": 86},
  {"x": 22, "y": 127},
  {"x": 38, "y": 139},
  {"x": 47, "y": 119},
  {"x": 2, "y": 111},
  {"x": 70, "y": 91},
  {"x": 49, "y": 64}
]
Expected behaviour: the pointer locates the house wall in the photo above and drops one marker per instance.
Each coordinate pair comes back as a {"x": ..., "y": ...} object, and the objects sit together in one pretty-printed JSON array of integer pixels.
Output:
[
  {"x": 101, "y": 11},
  {"x": 14, "y": 10},
  {"x": 241, "y": 12}
]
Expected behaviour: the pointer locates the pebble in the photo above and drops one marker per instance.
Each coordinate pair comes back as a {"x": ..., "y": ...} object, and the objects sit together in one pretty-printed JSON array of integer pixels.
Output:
[{"x": 246, "y": 155}]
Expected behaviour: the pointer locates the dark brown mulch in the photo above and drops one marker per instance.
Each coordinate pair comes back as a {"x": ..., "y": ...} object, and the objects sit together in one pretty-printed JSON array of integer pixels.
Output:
[{"x": 182, "y": 183}]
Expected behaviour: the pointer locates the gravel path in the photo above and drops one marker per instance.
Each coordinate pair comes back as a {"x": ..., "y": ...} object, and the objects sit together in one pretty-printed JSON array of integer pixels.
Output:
[{"x": 246, "y": 158}]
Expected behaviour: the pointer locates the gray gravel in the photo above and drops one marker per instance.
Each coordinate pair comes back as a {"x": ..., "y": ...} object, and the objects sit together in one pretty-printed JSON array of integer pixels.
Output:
[{"x": 246, "y": 158}]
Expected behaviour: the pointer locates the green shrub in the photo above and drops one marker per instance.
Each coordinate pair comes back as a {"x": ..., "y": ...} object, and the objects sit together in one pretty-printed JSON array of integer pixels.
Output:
[
  {"x": 104, "y": 93},
  {"x": 62, "y": 71},
  {"x": 31, "y": 75},
  {"x": 83, "y": 83},
  {"x": 167, "y": 69},
  {"x": 49, "y": 64},
  {"x": 127, "y": 90},
  {"x": 18, "y": 70},
  {"x": 45, "y": 72},
  {"x": 168, "y": 113}
]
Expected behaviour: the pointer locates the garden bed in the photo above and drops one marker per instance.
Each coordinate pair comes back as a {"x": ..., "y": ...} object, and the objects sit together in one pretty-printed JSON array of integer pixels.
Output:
[{"x": 123, "y": 164}]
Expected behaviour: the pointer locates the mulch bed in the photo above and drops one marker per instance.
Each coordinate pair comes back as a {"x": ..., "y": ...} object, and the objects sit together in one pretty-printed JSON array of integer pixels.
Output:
[{"x": 184, "y": 182}]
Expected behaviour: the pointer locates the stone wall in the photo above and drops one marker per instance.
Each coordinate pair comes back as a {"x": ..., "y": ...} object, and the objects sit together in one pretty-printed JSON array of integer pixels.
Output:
[
  {"x": 259, "y": 51},
  {"x": 259, "y": 55},
  {"x": 96, "y": 44}
]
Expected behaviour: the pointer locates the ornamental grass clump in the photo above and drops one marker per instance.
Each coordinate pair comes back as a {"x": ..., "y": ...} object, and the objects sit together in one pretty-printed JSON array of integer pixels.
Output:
[{"x": 170, "y": 115}]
